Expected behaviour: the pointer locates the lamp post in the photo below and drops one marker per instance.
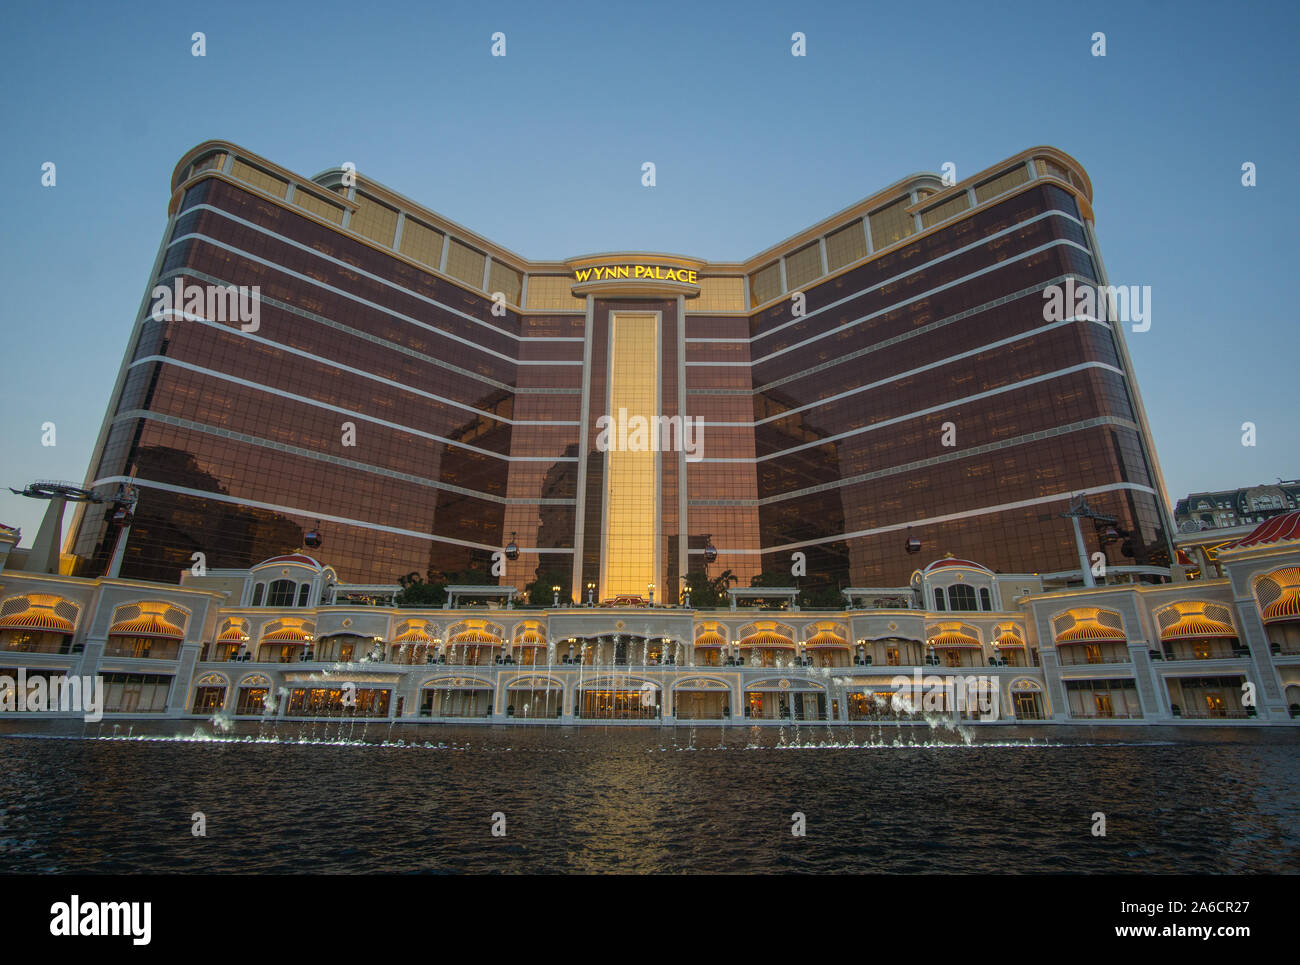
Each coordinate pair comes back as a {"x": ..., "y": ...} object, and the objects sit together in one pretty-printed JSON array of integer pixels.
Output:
[
  {"x": 651, "y": 588},
  {"x": 591, "y": 592},
  {"x": 687, "y": 590},
  {"x": 556, "y": 591}
]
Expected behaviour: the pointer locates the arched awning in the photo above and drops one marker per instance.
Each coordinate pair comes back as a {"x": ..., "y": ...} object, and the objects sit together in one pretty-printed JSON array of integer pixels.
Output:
[
  {"x": 232, "y": 634},
  {"x": 1088, "y": 625},
  {"x": 951, "y": 637},
  {"x": 531, "y": 638},
  {"x": 416, "y": 634},
  {"x": 1089, "y": 633},
  {"x": 147, "y": 625},
  {"x": 767, "y": 639},
  {"x": 1007, "y": 638},
  {"x": 1278, "y": 594},
  {"x": 826, "y": 638},
  {"x": 1193, "y": 622},
  {"x": 710, "y": 638},
  {"x": 40, "y": 614},
  {"x": 477, "y": 638},
  {"x": 287, "y": 635}
]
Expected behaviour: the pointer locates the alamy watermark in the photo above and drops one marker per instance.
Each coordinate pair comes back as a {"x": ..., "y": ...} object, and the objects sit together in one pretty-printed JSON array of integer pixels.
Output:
[
  {"x": 1112, "y": 303},
  {"x": 659, "y": 433},
  {"x": 61, "y": 693},
  {"x": 933, "y": 694},
  {"x": 240, "y": 304}
]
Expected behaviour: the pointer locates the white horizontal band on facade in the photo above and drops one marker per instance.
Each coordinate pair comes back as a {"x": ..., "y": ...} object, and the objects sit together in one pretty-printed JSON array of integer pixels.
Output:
[
  {"x": 384, "y": 343},
  {"x": 907, "y": 336},
  {"x": 879, "y": 383},
  {"x": 1059, "y": 373},
  {"x": 262, "y": 229},
  {"x": 953, "y": 456},
  {"x": 310, "y": 514},
  {"x": 303, "y": 353},
  {"x": 375, "y": 306},
  {"x": 955, "y": 253},
  {"x": 257, "y": 386},
  {"x": 895, "y": 306},
  {"x": 932, "y": 520},
  {"x": 244, "y": 437}
]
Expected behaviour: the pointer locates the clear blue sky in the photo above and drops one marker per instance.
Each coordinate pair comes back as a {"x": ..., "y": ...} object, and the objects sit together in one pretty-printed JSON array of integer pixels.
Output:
[{"x": 541, "y": 152}]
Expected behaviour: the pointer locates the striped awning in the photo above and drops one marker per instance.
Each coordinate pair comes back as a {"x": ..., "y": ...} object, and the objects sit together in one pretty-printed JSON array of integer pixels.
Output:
[
  {"x": 1008, "y": 639},
  {"x": 1196, "y": 626},
  {"x": 953, "y": 638},
  {"x": 477, "y": 638},
  {"x": 37, "y": 617},
  {"x": 1086, "y": 632},
  {"x": 531, "y": 638},
  {"x": 1284, "y": 608},
  {"x": 414, "y": 635},
  {"x": 287, "y": 635},
  {"x": 147, "y": 625},
  {"x": 766, "y": 638},
  {"x": 710, "y": 638},
  {"x": 825, "y": 638},
  {"x": 232, "y": 634}
]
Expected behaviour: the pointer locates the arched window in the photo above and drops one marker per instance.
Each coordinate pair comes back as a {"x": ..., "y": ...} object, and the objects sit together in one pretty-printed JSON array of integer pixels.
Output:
[
  {"x": 257, "y": 594},
  {"x": 986, "y": 598},
  {"x": 303, "y": 590},
  {"x": 281, "y": 593},
  {"x": 961, "y": 596}
]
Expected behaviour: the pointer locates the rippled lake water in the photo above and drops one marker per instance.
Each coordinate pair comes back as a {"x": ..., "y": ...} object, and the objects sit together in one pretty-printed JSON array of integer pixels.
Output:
[{"x": 647, "y": 800}]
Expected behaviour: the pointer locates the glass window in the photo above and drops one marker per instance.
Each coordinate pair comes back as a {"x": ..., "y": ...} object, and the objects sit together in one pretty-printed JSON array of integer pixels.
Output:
[
  {"x": 257, "y": 594},
  {"x": 845, "y": 246},
  {"x": 803, "y": 266},
  {"x": 945, "y": 210},
  {"x": 891, "y": 223},
  {"x": 281, "y": 593},
  {"x": 466, "y": 264},
  {"x": 765, "y": 284},
  {"x": 303, "y": 591},
  {"x": 1002, "y": 183},
  {"x": 259, "y": 179},
  {"x": 422, "y": 243},
  {"x": 961, "y": 596},
  {"x": 374, "y": 220}
]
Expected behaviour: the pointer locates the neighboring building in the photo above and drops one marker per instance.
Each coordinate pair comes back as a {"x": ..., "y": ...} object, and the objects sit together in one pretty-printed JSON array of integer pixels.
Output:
[
  {"x": 284, "y": 640},
  {"x": 890, "y": 368},
  {"x": 1235, "y": 507}
]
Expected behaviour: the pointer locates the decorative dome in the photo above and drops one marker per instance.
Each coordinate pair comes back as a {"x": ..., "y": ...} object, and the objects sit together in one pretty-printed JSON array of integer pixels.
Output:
[
  {"x": 951, "y": 562},
  {"x": 300, "y": 559}
]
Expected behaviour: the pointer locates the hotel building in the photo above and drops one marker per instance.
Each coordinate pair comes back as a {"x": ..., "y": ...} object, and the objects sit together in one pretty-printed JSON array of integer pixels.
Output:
[
  {"x": 422, "y": 397},
  {"x": 286, "y": 650}
]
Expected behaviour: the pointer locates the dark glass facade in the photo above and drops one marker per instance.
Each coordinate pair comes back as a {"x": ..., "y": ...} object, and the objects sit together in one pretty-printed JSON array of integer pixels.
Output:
[{"x": 391, "y": 409}]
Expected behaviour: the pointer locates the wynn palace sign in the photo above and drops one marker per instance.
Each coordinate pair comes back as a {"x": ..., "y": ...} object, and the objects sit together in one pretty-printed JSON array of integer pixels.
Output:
[{"x": 636, "y": 273}]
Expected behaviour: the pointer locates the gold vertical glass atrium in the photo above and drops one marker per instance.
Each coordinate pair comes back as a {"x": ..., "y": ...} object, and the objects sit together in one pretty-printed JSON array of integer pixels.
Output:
[{"x": 631, "y": 530}]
